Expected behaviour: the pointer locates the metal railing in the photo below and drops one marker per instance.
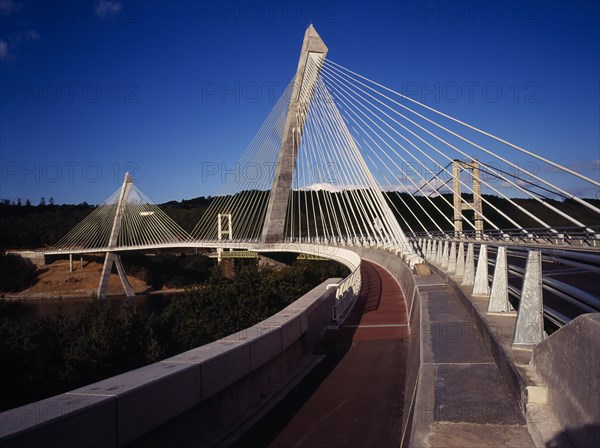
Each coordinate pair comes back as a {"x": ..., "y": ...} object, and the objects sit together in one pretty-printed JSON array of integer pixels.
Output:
[
  {"x": 559, "y": 301},
  {"x": 575, "y": 237}
]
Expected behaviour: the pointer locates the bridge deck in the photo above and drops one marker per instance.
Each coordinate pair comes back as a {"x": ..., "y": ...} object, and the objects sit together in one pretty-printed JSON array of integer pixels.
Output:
[{"x": 354, "y": 396}]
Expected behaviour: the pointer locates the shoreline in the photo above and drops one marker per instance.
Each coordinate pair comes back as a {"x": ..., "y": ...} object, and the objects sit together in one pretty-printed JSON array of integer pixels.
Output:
[{"x": 14, "y": 297}]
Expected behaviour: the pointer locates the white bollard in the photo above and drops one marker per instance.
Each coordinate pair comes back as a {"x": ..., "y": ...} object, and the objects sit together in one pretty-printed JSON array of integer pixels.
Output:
[
  {"x": 460, "y": 260},
  {"x": 469, "y": 275},
  {"x": 445, "y": 256},
  {"x": 529, "y": 330},
  {"x": 481, "y": 285},
  {"x": 438, "y": 254},
  {"x": 452, "y": 260},
  {"x": 499, "y": 295}
]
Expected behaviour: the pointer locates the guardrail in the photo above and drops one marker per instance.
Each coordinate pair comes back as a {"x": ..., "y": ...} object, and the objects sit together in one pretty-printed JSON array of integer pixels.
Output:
[
  {"x": 469, "y": 261},
  {"x": 584, "y": 237},
  {"x": 348, "y": 289}
]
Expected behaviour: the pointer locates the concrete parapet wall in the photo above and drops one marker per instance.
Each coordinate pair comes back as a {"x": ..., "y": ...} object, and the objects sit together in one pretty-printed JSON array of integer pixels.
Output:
[
  {"x": 37, "y": 258},
  {"x": 453, "y": 393},
  {"x": 210, "y": 390},
  {"x": 569, "y": 363}
]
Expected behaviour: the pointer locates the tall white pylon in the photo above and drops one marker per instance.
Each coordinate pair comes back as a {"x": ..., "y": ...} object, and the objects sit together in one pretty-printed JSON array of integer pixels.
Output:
[{"x": 112, "y": 258}]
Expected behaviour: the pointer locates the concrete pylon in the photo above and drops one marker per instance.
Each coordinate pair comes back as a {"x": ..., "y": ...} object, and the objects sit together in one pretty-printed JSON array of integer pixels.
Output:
[
  {"x": 481, "y": 286},
  {"x": 224, "y": 229},
  {"x": 529, "y": 330},
  {"x": 274, "y": 226},
  {"x": 112, "y": 258},
  {"x": 459, "y": 206}
]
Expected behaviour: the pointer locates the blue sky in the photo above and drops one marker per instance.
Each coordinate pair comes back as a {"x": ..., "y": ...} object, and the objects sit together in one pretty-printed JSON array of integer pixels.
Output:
[{"x": 89, "y": 89}]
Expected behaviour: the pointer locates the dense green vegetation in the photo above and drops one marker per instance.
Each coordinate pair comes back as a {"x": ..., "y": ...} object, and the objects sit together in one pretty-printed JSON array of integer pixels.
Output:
[
  {"x": 40, "y": 358},
  {"x": 26, "y": 226},
  {"x": 170, "y": 270},
  {"x": 569, "y": 206},
  {"x": 16, "y": 272}
]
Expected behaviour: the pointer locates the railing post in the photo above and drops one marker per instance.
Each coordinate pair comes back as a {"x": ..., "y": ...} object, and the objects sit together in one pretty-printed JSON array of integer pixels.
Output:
[
  {"x": 481, "y": 285},
  {"x": 445, "y": 256},
  {"x": 452, "y": 260},
  {"x": 499, "y": 295},
  {"x": 469, "y": 275},
  {"x": 438, "y": 253},
  {"x": 529, "y": 330},
  {"x": 460, "y": 260}
]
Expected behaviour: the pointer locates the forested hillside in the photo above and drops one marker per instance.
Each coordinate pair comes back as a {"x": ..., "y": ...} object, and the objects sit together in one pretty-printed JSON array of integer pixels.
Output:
[{"x": 27, "y": 226}]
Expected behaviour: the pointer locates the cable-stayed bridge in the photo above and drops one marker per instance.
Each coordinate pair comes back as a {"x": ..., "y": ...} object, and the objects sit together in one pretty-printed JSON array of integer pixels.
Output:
[
  {"x": 344, "y": 165},
  {"x": 343, "y": 161}
]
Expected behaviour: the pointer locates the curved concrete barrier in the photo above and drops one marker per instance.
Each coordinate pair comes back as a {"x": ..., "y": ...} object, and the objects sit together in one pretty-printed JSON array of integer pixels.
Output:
[
  {"x": 569, "y": 363},
  {"x": 219, "y": 386},
  {"x": 453, "y": 393},
  {"x": 206, "y": 394}
]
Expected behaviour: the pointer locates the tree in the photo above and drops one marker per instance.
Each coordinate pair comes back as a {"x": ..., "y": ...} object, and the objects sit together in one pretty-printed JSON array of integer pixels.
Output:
[
  {"x": 51, "y": 200},
  {"x": 27, "y": 203},
  {"x": 18, "y": 273},
  {"x": 42, "y": 201},
  {"x": 19, "y": 202}
]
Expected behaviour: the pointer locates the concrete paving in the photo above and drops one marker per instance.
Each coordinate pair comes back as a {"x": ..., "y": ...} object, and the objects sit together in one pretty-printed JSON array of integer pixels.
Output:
[
  {"x": 354, "y": 396},
  {"x": 462, "y": 399}
]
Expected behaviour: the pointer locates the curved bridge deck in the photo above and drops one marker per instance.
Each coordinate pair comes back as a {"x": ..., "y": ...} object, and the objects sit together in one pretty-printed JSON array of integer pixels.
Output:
[{"x": 354, "y": 396}]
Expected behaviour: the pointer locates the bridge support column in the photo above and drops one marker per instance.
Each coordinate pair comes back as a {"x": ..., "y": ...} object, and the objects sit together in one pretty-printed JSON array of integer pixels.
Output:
[
  {"x": 481, "y": 285},
  {"x": 469, "y": 275},
  {"x": 274, "y": 225},
  {"x": 222, "y": 231},
  {"x": 477, "y": 204},
  {"x": 529, "y": 330},
  {"x": 459, "y": 206},
  {"x": 70, "y": 262},
  {"x": 110, "y": 259},
  {"x": 458, "y": 225},
  {"x": 112, "y": 242},
  {"x": 499, "y": 295}
]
